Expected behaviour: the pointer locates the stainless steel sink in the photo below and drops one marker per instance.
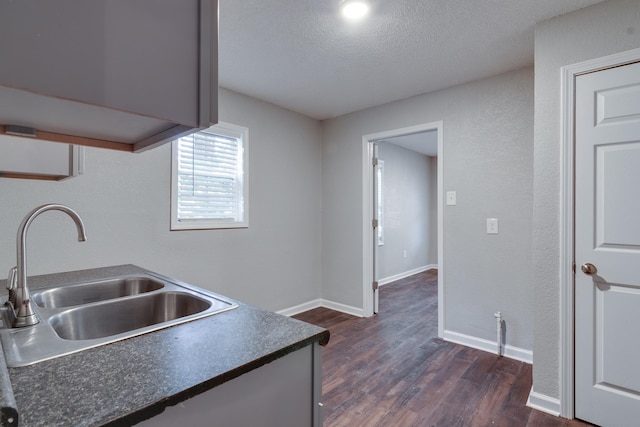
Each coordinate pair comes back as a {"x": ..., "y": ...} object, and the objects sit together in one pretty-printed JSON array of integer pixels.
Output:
[
  {"x": 79, "y": 316},
  {"x": 84, "y": 293},
  {"x": 115, "y": 317}
]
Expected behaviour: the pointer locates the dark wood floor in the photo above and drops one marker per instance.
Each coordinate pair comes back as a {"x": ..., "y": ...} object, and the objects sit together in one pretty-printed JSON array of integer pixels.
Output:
[{"x": 392, "y": 370}]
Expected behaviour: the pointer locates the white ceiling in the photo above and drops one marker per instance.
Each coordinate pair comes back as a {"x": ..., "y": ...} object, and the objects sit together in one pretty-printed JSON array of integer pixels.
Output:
[{"x": 302, "y": 55}]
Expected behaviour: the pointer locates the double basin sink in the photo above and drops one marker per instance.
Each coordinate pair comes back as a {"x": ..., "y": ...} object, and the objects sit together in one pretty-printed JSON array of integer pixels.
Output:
[{"x": 79, "y": 316}]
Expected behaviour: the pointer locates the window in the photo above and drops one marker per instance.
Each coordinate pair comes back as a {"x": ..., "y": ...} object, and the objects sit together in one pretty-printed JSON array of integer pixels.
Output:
[{"x": 209, "y": 184}]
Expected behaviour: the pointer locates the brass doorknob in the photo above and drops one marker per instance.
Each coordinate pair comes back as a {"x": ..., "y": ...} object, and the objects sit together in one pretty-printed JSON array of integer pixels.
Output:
[{"x": 589, "y": 269}]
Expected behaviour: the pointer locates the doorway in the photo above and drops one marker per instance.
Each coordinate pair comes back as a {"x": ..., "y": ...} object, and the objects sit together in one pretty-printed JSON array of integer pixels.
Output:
[
  {"x": 405, "y": 189},
  {"x": 370, "y": 235}
]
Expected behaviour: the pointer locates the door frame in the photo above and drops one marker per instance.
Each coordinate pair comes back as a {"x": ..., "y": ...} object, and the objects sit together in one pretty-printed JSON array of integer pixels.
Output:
[
  {"x": 367, "y": 214},
  {"x": 567, "y": 170}
]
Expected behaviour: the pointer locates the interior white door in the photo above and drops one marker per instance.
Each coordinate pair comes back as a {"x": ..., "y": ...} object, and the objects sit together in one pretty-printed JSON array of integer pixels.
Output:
[{"x": 607, "y": 246}]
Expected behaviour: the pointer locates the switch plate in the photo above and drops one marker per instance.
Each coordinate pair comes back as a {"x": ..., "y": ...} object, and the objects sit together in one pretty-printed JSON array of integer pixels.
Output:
[
  {"x": 451, "y": 198},
  {"x": 492, "y": 225}
]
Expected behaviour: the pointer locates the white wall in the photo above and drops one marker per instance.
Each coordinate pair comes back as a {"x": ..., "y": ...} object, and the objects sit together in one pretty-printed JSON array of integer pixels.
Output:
[
  {"x": 407, "y": 222},
  {"x": 596, "y": 31},
  {"x": 488, "y": 160},
  {"x": 124, "y": 201}
]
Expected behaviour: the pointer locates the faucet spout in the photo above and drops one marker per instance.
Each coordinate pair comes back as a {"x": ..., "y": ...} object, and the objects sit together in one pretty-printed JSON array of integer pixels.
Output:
[{"x": 20, "y": 299}]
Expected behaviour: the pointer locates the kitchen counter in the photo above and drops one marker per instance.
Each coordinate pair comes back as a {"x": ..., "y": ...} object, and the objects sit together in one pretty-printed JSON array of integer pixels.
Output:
[{"x": 135, "y": 379}]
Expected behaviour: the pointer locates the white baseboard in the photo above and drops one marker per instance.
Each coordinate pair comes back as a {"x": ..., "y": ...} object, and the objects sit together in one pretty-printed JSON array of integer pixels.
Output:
[
  {"x": 544, "y": 403},
  {"x": 509, "y": 351},
  {"x": 310, "y": 305},
  {"x": 399, "y": 276},
  {"x": 354, "y": 311},
  {"x": 301, "y": 308}
]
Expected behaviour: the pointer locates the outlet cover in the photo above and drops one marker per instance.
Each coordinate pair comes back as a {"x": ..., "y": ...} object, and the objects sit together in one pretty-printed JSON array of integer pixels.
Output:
[{"x": 451, "y": 198}]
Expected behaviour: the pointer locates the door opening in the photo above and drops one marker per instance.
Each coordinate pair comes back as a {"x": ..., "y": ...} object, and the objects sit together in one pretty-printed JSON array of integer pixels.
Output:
[{"x": 422, "y": 135}]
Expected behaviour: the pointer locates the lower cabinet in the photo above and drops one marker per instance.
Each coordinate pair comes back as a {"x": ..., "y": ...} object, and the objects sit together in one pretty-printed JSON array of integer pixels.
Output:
[{"x": 285, "y": 392}]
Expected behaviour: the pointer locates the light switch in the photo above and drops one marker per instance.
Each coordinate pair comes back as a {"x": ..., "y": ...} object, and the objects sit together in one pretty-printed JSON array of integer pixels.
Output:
[
  {"x": 492, "y": 225},
  {"x": 451, "y": 198}
]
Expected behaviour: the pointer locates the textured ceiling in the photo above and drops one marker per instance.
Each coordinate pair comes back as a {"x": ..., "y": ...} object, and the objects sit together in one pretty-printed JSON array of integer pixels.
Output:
[{"x": 302, "y": 55}]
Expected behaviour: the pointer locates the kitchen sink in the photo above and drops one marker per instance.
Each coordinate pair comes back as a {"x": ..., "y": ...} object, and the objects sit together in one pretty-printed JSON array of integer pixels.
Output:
[
  {"x": 84, "y": 293},
  {"x": 115, "y": 317},
  {"x": 78, "y": 316}
]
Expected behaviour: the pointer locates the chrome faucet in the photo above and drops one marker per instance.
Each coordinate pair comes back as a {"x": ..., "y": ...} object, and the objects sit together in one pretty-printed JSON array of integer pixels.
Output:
[{"x": 19, "y": 299}]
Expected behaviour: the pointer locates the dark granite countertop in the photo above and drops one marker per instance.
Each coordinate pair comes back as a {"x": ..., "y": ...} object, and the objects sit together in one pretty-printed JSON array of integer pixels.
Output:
[{"x": 127, "y": 381}]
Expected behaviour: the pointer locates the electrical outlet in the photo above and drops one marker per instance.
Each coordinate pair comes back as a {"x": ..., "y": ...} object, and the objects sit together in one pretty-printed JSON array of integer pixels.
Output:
[{"x": 404, "y": 253}]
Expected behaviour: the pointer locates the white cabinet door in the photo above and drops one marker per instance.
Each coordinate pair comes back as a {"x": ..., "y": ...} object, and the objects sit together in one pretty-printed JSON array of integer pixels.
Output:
[
  {"x": 283, "y": 393},
  {"x": 607, "y": 247}
]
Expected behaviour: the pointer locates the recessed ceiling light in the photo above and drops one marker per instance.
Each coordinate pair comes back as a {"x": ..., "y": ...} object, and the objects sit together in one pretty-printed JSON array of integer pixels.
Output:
[{"x": 354, "y": 9}]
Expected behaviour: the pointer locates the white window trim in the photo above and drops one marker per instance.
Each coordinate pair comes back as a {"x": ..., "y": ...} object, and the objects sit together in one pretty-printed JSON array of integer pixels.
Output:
[{"x": 223, "y": 128}]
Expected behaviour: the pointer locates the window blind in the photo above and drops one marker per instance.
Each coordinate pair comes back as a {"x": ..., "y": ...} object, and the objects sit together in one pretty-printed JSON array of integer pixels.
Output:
[{"x": 209, "y": 177}]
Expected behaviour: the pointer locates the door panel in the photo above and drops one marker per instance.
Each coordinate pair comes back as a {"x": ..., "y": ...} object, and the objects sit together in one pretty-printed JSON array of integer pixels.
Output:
[
  {"x": 617, "y": 221},
  {"x": 607, "y": 235},
  {"x": 616, "y": 309},
  {"x": 617, "y": 105}
]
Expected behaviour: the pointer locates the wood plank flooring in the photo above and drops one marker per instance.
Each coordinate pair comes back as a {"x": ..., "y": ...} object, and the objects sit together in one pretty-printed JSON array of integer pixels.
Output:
[{"x": 392, "y": 370}]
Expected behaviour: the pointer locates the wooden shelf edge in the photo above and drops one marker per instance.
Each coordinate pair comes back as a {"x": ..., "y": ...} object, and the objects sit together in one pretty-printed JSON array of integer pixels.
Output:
[{"x": 75, "y": 140}]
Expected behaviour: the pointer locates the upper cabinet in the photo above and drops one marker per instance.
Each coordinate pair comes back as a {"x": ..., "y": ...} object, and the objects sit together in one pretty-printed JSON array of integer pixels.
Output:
[
  {"x": 33, "y": 159},
  {"x": 121, "y": 74}
]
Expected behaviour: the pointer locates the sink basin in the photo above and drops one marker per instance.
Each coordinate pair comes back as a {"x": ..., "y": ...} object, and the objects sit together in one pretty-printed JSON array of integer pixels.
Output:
[
  {"x": 79, "y": 316},
  {"x": 84, "y": 293},
  {"x": 116, "y": 317}
]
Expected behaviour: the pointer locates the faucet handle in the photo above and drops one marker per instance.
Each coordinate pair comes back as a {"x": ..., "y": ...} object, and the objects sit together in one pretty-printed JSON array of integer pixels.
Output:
[
  {"x": 12, "y": 282},
  {"x": 13, "y": 278}
]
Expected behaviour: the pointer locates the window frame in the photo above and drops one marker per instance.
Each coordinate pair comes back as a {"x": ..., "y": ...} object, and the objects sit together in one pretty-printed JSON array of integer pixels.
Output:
[{"x": 228, "y": 130}]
